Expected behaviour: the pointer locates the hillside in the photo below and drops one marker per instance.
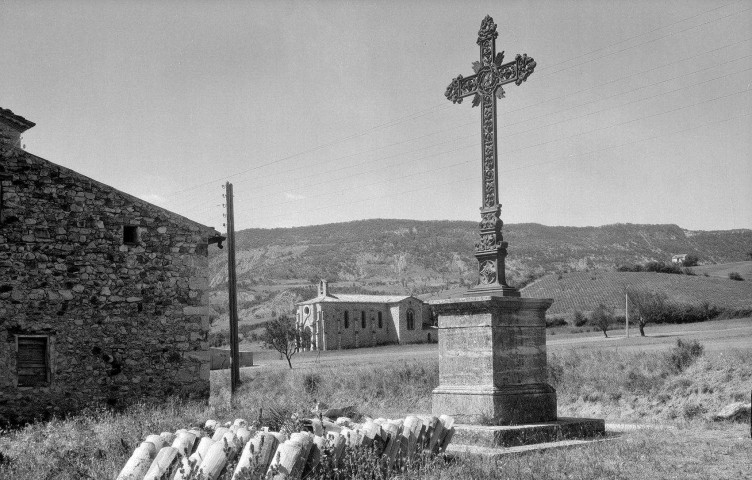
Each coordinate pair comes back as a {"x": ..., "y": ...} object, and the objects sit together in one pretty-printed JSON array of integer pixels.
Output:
[
  {"x": 408, "y": 256},
  {"x": 583, "y": 291}
]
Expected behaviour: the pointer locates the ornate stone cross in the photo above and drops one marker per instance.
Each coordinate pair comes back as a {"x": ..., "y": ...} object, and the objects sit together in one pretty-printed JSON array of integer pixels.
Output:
[{"x": 486, "y": 86}]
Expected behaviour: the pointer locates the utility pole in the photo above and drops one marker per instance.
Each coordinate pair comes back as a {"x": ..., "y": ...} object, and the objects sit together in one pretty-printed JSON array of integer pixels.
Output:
[
  {"x": 232, "y": 286},
  {"x": 626, "y": 312}
]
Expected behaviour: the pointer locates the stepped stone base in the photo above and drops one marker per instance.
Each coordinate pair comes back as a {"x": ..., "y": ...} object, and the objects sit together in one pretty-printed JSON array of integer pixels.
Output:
[
  {"x": 484, "y": 405},
  {"x": 516, "y": 435}
]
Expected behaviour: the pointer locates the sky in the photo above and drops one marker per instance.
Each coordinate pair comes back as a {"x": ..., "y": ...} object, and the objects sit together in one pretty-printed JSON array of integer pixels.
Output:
[{"x": 332, "y": 111}]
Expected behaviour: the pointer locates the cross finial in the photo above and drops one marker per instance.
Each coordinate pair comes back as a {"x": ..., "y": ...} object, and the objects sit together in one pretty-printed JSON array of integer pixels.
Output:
[{"x": 487, "y": 30}]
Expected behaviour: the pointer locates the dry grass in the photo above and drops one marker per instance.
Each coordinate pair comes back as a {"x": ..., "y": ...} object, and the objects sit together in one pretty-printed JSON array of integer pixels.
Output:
[{"x": 624, "y": 386}]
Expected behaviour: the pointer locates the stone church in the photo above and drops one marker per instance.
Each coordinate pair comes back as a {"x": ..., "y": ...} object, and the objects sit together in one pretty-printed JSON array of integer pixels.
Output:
[
  {"x": 102, "y": 295},
  {"x": 334, "y": 322}
]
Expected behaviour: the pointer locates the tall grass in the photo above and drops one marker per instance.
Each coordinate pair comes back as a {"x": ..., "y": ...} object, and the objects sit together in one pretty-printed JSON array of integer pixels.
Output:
[{"x": 628, "y": 386}]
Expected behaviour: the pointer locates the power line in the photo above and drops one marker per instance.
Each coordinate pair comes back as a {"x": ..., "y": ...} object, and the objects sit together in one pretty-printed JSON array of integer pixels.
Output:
[
  {"x": 313, "y": 149},
  {"x": 324, "y": 172},
  {"x": 633, "y": 101},
  {"x": 516, "y": 133},
  {"x": 474, "y": 178},
  {"x": 430, "y": 109},
  {"x": 475, "y": 144},
  {"x": 638, "y": 36},
  {"x": 643, "y": 43},
  {"x": 524, "y": 148}
]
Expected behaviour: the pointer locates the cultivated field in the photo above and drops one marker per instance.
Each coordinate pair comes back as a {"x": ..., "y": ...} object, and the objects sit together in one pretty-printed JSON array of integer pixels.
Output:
[{"x": 583, "y": 291}]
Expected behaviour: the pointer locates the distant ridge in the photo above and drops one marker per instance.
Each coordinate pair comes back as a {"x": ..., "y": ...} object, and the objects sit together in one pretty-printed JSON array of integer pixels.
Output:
[
  {"x": 412, "y": 254},
  {"x": 277, "y": 267}
]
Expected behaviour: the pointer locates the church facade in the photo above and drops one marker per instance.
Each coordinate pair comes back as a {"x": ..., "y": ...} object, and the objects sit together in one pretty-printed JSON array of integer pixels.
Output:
[
  {"x": 333, "y": 322},
  {"x": 102, "y": 295}
]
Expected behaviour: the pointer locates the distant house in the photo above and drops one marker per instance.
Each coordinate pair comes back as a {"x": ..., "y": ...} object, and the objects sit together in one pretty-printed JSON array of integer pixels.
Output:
[
  {"x": 341, "y": 321},
  {"x": 102, "y": 295},
  {"x": 679, "y": 259}
]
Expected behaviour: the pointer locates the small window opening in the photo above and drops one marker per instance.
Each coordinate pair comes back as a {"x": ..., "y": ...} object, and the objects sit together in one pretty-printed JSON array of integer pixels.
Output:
[
  {"x": 381, "y": 323},
  {"x": 410, "y": 320},
  {"x": 32, "y": 361},
  {"x": 130, "y": 235},
  {"x": 347, "y": 320},
  {"x": 363, "y": 319}
]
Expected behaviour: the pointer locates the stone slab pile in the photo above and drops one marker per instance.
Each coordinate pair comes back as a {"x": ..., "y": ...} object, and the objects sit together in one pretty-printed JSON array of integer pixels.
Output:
[{"x": 207, "y": 452}]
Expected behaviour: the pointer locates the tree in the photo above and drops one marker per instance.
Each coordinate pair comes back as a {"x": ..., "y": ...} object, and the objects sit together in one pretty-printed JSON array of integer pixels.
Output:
[
  {"x": 690, "y": 261},
  {"x": 602, "y": 317},
  {"x": 647, "y": 307},
  {"x": 282, "y": 336}
]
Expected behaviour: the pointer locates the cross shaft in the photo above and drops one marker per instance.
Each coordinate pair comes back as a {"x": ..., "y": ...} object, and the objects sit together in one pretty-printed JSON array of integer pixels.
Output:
[{"x": 486, "y": 86}]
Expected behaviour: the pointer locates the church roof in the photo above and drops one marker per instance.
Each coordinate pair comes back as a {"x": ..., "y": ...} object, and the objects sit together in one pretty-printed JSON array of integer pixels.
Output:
[{"x": 355, "y": 298}]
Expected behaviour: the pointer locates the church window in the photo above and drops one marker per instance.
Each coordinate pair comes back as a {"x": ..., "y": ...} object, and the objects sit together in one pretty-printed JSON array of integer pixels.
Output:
[
  {"x": 363, "y": 319},
  {"x": 130, "y": 235},
  {"x": 410, "y": 320},
  {"x": 32, "y": 361},
  {"x": 347, "y": 319},
  {"x": 381, "y": 323}
]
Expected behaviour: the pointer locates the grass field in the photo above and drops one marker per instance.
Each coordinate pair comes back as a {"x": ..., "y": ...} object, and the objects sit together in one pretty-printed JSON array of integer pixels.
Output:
[
  {"x": 716, "y": 335},
  {"x": 623, "y": 380},
  {"x": 722, "y": 270}
]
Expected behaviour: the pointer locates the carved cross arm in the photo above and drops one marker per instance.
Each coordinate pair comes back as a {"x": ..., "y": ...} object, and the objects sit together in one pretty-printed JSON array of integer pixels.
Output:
[{"x": 461, "y": 87}]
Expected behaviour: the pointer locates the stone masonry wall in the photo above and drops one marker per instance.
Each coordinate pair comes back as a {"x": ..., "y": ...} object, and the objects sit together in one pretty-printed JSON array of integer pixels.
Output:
[
  {"x": 124, "y": 322},
  {"x": 393, "y": 328}
]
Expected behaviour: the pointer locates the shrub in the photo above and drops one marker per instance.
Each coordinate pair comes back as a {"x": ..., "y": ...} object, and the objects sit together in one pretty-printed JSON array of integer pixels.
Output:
[
  {"x": 684, "y": 354},
  {"x": 662, "y": 267},
  {"x": 555, "y": 322},
  {"x": 690, "y": 261},
  {"x": 735, "y": 276},
  {"x": 311, "y": 382},
  {"x": 219, "y": 339},
  {"x": 579, "y": 319}
]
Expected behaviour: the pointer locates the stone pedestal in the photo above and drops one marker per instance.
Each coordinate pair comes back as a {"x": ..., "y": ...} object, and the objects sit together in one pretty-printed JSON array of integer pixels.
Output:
[{"x": 492, "y": 361}]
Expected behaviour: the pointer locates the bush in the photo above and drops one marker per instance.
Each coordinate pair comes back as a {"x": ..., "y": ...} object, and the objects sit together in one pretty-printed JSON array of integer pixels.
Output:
[
  {"x": 555, "y": 322},
  {"x": 735, "y": 276},
  {"x": 684, "y": 354},
  {"x": 579, "y": 319},
  {"x": 654, "y": 307},
  {"x": 690, "y": 261},
  {"x": 219, "y": 339},
  {"x": 657, "y": 267}
]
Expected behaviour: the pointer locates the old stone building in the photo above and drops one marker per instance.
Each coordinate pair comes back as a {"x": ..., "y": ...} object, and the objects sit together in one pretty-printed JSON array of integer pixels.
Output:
[
  {"x": 102, "y": 295},
  {"x": 340, "y": 321}
]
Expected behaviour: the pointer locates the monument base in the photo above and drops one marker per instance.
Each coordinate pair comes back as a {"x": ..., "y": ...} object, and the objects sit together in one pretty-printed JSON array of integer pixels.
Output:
[
  {"x": 516, "y": 435},
  {"x": 492, "y": 360},
  {"x": 494, "y": 290},
  {"x": 489, "y": 405}
]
